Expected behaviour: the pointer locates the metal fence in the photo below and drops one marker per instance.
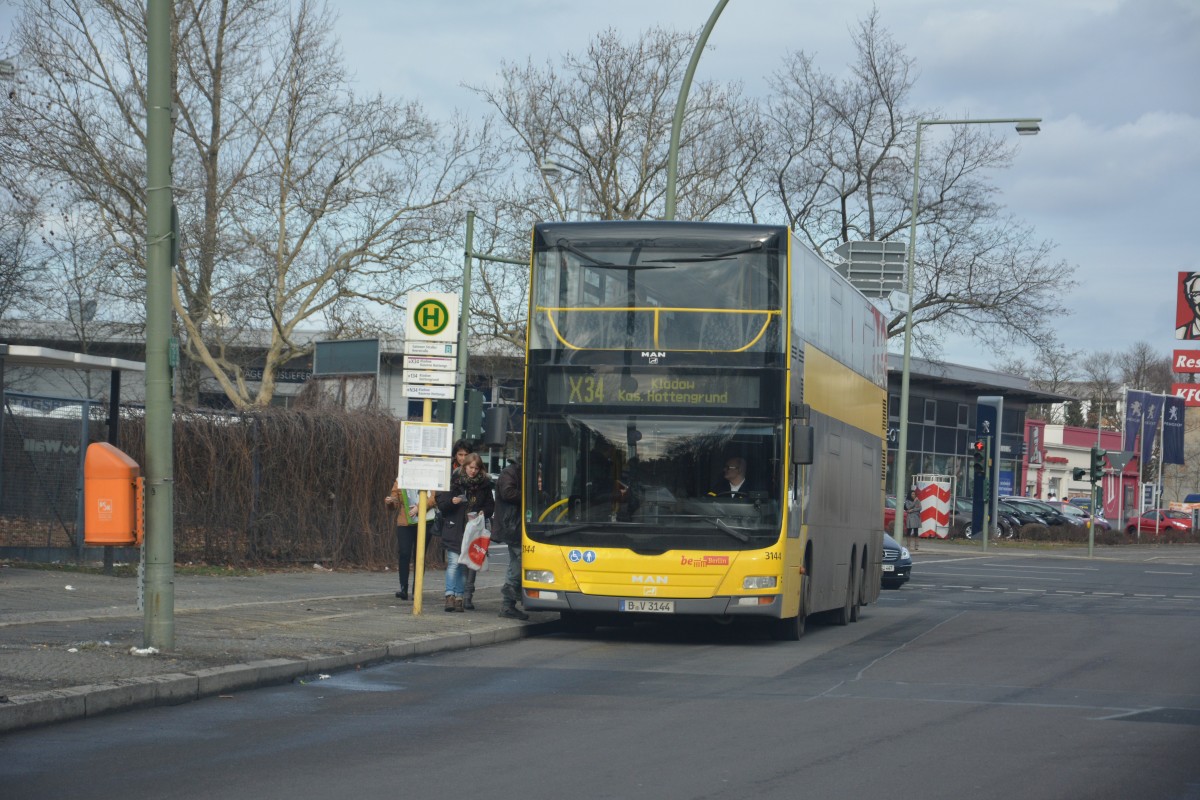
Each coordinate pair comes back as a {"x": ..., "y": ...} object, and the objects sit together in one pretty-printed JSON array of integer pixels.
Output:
[{"x": 43, "y": 441}]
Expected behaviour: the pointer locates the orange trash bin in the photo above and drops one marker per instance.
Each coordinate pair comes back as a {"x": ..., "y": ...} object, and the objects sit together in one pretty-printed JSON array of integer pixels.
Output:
[{"x": 112, "y": 497}]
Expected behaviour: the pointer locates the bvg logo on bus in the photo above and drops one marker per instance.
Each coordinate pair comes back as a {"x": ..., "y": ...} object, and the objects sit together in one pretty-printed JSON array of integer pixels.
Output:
[{"x": 431, "y": 317}]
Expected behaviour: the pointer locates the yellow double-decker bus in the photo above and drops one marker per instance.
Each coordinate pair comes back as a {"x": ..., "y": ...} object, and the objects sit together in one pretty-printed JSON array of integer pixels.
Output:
[{"x": 705, "y": 411}]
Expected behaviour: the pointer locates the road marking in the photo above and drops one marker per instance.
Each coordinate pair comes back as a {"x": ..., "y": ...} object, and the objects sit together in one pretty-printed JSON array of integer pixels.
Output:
[
  {"x": 1068, "y": 591},
  {"x": 1149, "y": 595},
  {"x": 1156, "y": 572},
  {"x": 1109, "y": 594}
]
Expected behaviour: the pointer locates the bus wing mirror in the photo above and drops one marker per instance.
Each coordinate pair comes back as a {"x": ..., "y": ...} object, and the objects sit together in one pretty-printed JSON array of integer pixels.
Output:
[{"x": 802, "y": 443}]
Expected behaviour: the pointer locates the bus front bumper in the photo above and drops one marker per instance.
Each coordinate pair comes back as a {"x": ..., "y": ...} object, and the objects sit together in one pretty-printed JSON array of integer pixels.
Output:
[{"x": 752, "y": 605}]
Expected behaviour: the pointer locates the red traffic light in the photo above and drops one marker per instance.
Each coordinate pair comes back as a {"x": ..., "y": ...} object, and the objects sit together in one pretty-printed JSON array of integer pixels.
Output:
[{"x": 978, "y": 445}]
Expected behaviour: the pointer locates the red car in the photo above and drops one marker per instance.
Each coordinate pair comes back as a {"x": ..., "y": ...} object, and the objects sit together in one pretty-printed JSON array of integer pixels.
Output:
[
  {"x": 1159, "y": 520},
  {"x": 889, "y": 512}
]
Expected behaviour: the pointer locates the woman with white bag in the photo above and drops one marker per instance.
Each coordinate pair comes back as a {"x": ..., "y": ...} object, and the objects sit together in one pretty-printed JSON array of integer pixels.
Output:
[{"x": 470, "y": 497}]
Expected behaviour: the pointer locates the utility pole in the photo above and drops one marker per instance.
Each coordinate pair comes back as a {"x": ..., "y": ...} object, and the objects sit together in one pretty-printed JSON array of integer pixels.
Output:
[{"x": 159, "y": 552}]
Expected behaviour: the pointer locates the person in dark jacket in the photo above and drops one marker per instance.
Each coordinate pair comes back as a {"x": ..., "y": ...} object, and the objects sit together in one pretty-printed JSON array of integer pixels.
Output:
[
  {"x": 506, "y": 528},
  {"x": 470, "y": 494},
  {"x": 462, "y": 449}
]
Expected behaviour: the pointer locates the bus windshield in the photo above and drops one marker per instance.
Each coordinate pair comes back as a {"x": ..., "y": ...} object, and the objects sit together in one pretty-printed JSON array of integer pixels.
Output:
[
  {"x": 717, "y": 292},
  {"x": 653, "y": 484}
]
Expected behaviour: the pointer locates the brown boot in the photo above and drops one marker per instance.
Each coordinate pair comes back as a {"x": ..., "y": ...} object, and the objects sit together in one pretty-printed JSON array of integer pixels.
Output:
[
  {"x": 449, "y": 602},
  {"x": 458, "y": 604}
]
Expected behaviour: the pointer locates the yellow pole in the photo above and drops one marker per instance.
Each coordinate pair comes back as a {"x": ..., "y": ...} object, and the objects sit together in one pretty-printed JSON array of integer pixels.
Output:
[{"x": 422, "y": 505}]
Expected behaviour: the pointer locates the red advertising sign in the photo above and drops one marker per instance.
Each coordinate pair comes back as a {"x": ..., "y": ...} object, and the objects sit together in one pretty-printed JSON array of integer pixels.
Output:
[
  {"x": 1190, "y": 392},
  {"x": 1186, "y": 361},
  {"x": 1187, "y": 306}
]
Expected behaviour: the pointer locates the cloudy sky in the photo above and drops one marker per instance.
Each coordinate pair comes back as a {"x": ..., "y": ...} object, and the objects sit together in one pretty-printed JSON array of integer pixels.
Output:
[{"x": 1112, "y": 178}]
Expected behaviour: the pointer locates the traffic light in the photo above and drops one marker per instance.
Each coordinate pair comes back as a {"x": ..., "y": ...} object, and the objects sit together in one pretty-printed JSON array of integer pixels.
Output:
[
  {"x": 1097, "y": 470},
  {"x": 979, "y": 456},
  {"x": 1078, "y": 473},
  {"x": 473, "y": 417}
]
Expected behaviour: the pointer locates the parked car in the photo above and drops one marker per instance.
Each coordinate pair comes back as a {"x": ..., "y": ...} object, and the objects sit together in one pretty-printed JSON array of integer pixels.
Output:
[
  {"x": 1049, "y": 516},
  {"x": 897, "y": 563},
  {"x": 889, "y": 512},
  {"x": 964, "y": 511},
  {"x": 1083, "y": 502},
  {"x": 1077, "y": 515},
  {"x": 1159, "y": 520}
]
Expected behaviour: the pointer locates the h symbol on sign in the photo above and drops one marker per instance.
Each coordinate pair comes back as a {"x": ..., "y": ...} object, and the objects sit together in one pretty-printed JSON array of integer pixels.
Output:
[{"x": 430, "y": 316}]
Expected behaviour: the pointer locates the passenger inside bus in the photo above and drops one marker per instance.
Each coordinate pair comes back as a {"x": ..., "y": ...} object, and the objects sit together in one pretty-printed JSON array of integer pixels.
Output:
[{"x": 605, "y": 488}]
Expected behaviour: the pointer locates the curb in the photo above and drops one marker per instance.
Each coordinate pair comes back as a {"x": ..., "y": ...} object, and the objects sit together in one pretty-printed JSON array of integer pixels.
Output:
[{"x": 93, "y": 700}]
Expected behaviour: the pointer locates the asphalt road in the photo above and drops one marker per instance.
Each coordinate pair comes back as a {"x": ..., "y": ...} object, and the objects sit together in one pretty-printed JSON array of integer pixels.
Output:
[{"x": 984, "y": 677}]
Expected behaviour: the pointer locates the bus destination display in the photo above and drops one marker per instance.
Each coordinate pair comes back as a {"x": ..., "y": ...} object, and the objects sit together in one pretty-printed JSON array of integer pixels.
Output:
[{"x": 654, "y": 389}]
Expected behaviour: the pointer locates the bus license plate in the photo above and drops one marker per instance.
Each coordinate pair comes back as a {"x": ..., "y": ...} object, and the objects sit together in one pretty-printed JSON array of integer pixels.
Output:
[
  {"x": 889, "y": 568},
  {"x": 649, "y": 606}
]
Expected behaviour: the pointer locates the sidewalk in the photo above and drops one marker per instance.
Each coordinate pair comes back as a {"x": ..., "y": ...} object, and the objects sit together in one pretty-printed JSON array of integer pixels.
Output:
[{"x": 66, "y": 637}]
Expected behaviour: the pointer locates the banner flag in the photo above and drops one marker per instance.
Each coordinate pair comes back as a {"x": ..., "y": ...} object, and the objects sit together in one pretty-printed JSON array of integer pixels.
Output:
[
  {"x": 1153, "y": 409},
  {"x": 1134, "y": 403},
  {"x": 1172, "y": 446}
]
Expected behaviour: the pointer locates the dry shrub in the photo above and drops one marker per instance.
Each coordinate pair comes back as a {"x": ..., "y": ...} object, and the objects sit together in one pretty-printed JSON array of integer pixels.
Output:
[{"x": 280, "y": 486}]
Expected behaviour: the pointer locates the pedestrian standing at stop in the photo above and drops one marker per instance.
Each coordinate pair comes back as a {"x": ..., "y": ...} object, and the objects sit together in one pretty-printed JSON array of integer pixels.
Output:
[
  {"x": 912, "y": 519},
  {"x": 462, "y": 449},
  {"x": 470, "y": 495},
  {"x": 506, "y": 528},
  {"x": 405, "y": 501}
]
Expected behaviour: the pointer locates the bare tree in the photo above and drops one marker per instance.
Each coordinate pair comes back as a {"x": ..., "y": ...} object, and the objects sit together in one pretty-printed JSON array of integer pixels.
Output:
[
  {"x": 297, "y": 200},
  {"x": 1103, "y": 385},
  {"x": 841, "y": 166},
  {"x": 19, "y": 260},
  {"x": 607, "y": 115},
  {"x": 1143, "y": 368},
  {"x": 1053, "y": 371}
]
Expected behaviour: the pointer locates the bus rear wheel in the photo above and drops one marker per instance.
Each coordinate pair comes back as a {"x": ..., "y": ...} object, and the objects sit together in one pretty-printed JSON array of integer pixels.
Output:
[{"x": 848, "y": 612}]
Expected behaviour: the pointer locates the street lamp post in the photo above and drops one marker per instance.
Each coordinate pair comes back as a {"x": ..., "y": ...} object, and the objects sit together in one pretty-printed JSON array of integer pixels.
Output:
[
  {"x": 1025, "y": 127},
  {"x": 552, "y": 169}
]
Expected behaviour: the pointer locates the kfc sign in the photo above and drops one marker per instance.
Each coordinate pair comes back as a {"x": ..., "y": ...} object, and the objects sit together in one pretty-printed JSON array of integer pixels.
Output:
[
  {"x": 1186, "y": 361},
  {"x": 1190, "y": 392}
]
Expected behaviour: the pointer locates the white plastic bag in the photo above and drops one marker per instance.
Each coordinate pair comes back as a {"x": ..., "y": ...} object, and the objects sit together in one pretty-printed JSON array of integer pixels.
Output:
[{"x": 475, "y": 543}]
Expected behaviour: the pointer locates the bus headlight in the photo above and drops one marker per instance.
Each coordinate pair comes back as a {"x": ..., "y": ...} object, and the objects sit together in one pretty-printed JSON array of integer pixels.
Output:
[
  {"x": 539, "y": 576},
  {"x": 760, "y": 582}
]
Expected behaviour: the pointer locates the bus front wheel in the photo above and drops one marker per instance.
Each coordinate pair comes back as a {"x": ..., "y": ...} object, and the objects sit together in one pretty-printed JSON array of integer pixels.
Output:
[{"x": 790, "y": 629}]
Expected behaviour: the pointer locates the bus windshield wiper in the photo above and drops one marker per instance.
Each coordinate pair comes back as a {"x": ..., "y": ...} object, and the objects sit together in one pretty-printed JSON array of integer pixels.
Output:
[
  {"x": 734, "y": 532},
  {"x": 550, "y": 533}
]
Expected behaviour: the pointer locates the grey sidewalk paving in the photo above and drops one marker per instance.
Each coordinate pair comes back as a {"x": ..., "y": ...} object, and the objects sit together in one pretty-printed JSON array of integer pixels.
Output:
[{"x": 66, "y": 637}]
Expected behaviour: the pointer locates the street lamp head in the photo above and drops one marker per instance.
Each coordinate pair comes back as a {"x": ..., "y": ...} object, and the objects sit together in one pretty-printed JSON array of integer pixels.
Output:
[
  {"x": 550, "y": 168},
  {"x": 1028, "y": 127}
]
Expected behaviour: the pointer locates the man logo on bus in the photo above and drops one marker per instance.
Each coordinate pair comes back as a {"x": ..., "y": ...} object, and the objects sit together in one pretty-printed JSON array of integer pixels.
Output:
[
  {"x": 653, "y": 356},
  {"x": 431, "y": 316}
]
